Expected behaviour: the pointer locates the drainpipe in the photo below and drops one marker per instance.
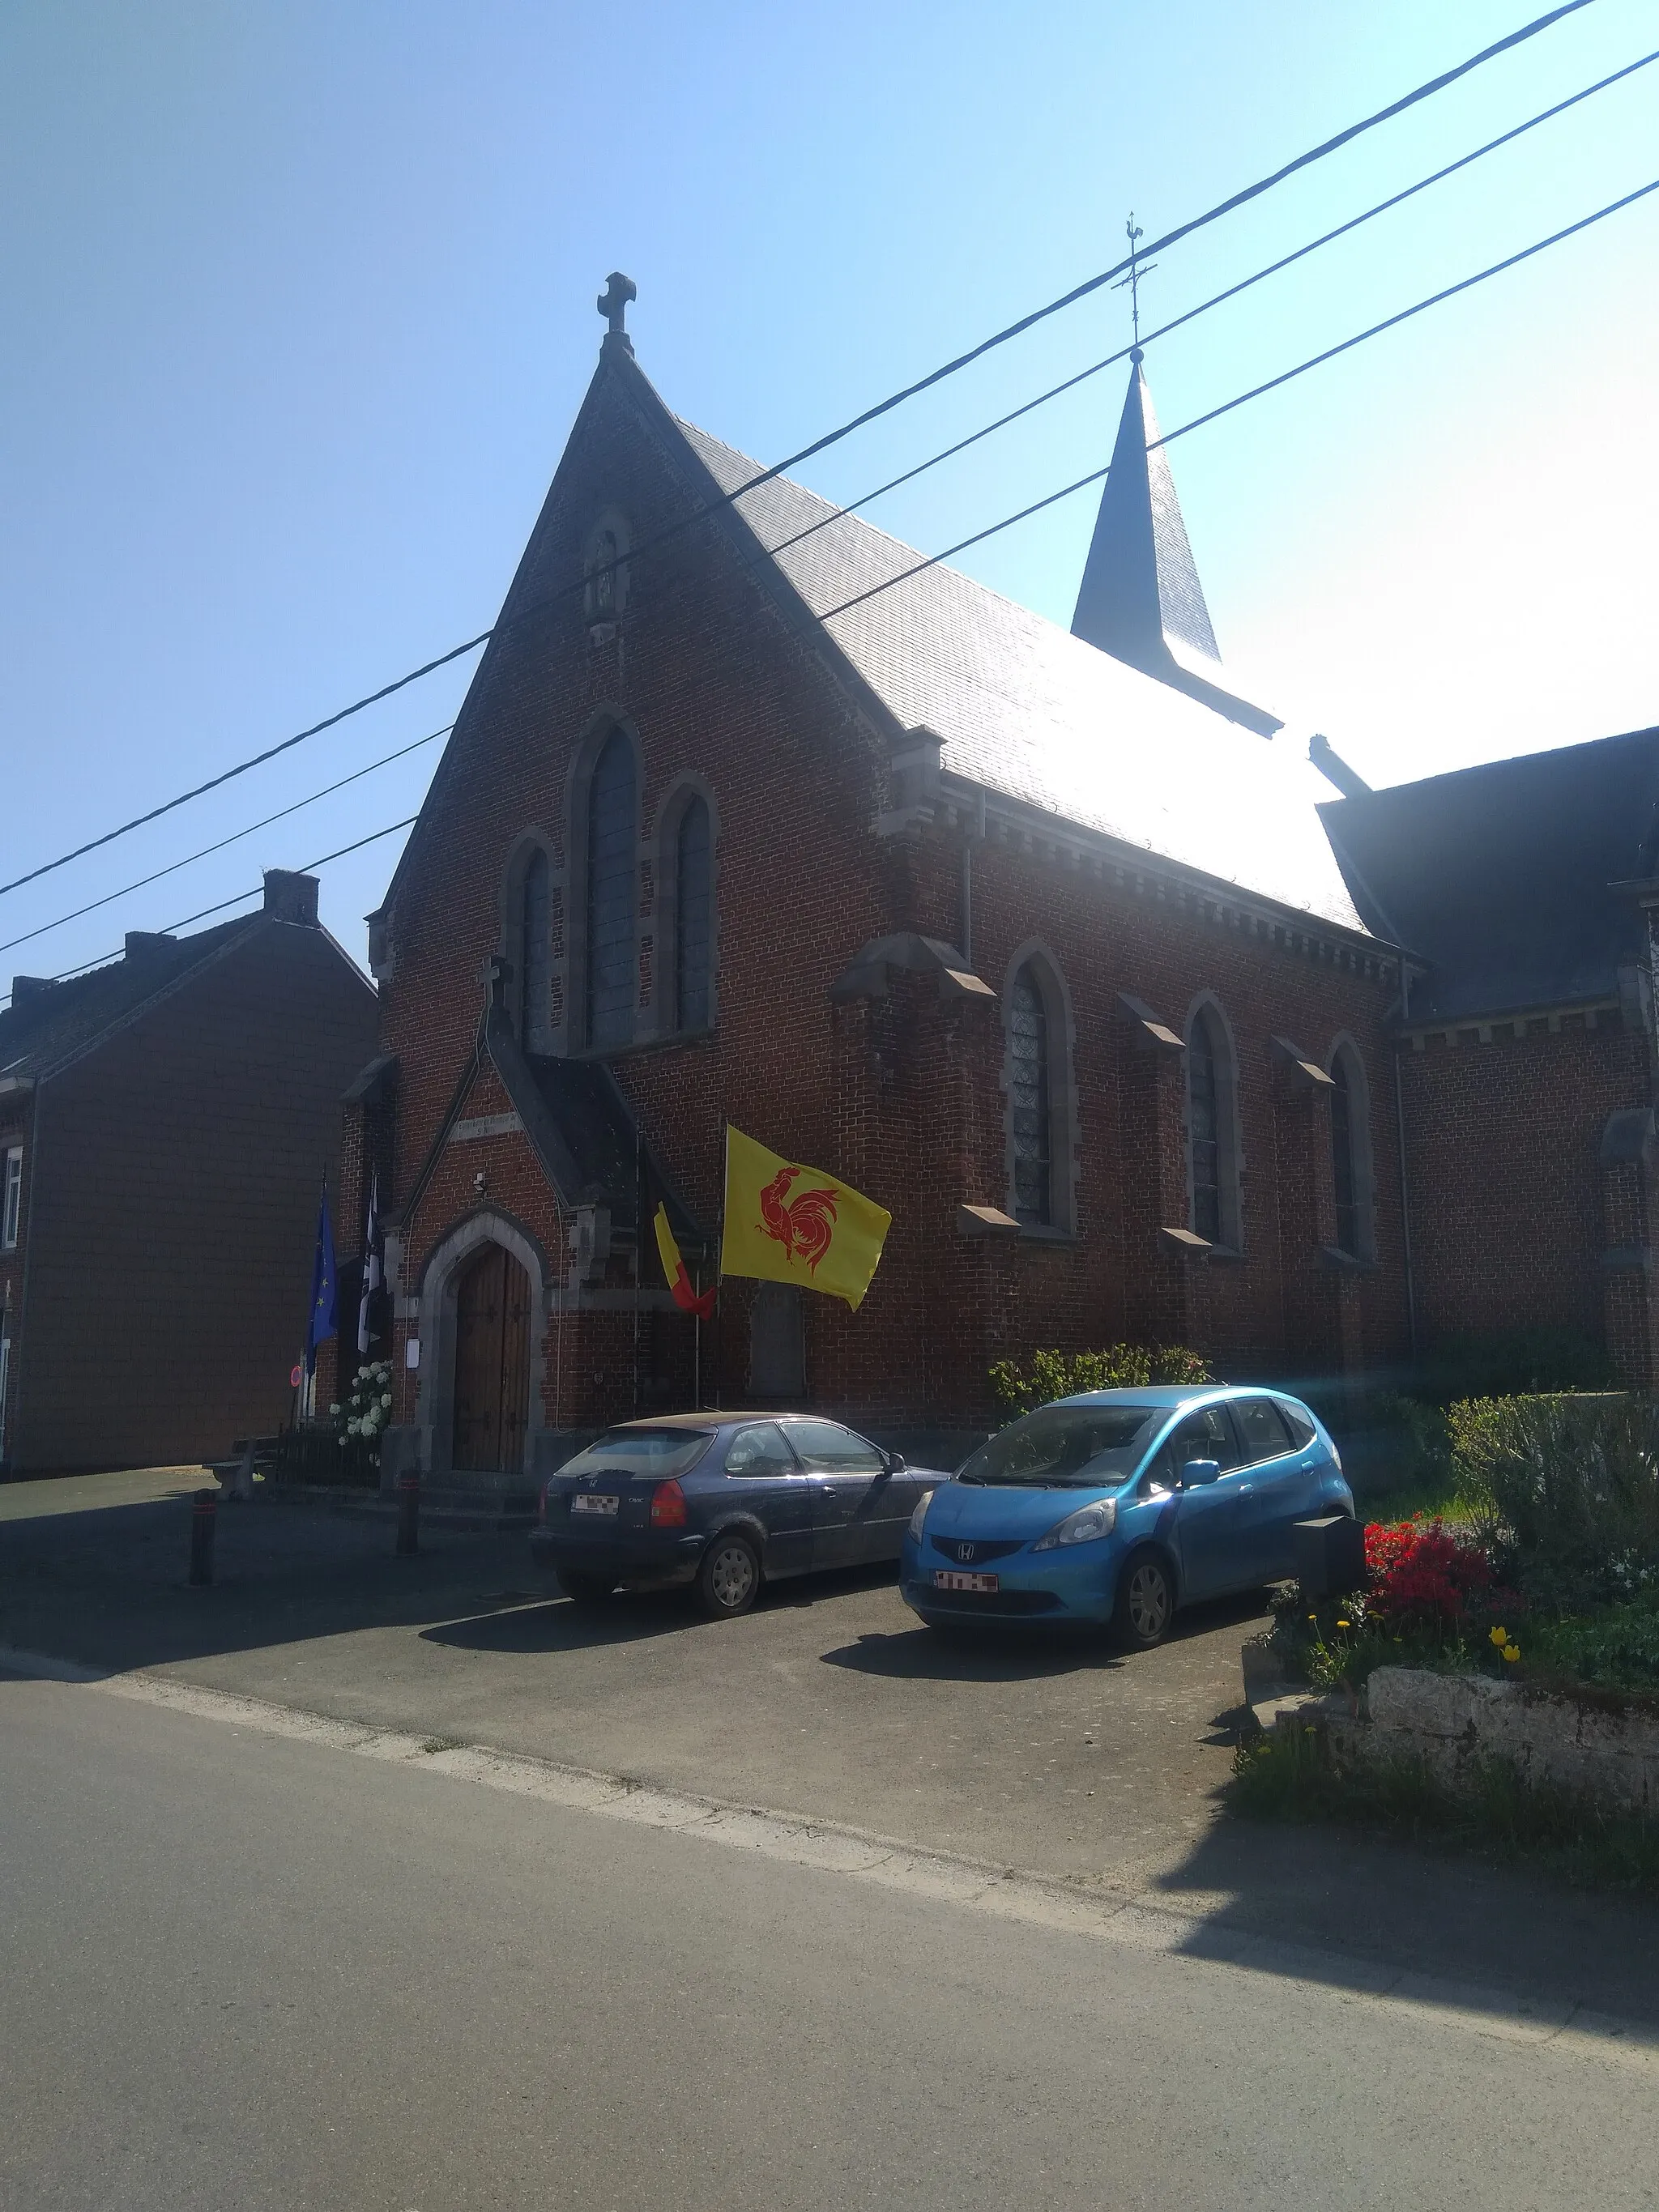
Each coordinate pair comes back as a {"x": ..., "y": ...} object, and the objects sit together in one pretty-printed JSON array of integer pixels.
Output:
[{"x": 1405, "y": 1191}]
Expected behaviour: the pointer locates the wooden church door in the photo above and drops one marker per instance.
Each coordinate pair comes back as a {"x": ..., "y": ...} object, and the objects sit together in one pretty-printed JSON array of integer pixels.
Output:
[{"x": 492, "y": 1363}]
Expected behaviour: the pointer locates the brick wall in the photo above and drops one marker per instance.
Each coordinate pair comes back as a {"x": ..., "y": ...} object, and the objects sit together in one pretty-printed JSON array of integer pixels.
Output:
[
  {"x": 175, "y": 1198},
  {"x": 1507, "y": 1197}
]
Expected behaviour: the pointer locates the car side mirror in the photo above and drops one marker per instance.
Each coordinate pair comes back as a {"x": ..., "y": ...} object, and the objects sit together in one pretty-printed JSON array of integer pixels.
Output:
[
  {"x": 893, "y": 1462},
  {"x": 1197, "y": 1471}
]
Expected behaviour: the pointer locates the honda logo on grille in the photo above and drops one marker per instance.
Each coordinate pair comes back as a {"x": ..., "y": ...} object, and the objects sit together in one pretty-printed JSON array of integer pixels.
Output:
[{"x": 964, "y": 1552}]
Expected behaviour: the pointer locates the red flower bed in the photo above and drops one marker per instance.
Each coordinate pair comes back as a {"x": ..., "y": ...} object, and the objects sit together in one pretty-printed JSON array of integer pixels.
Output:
[{"x": 1424, "y": 1577}]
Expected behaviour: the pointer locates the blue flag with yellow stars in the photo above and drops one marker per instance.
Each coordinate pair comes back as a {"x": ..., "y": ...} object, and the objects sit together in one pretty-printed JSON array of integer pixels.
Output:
[{"x": 321, "y": 1326}]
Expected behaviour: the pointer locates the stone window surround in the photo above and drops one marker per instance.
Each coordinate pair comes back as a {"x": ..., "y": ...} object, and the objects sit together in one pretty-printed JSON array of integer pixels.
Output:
[
  {"x": 1230, "y": 1140},
  {"x": 1064, "y": 1136}
]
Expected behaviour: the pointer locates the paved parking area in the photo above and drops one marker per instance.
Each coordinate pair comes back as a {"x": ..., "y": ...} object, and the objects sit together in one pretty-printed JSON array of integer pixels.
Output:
[{"x": 1060, "y": 1757}]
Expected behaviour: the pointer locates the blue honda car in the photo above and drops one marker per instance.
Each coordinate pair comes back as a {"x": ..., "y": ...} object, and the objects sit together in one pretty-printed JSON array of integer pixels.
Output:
[{"x": 1120, "y": 1506}]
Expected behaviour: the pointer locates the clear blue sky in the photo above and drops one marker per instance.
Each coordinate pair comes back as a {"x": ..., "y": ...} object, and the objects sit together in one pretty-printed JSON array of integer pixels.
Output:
[{"x": 299, "y": 306}]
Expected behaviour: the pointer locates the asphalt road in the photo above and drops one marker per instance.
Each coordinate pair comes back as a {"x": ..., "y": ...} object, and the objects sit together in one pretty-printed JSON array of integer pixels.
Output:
[{"x": 249, "y": 1972}]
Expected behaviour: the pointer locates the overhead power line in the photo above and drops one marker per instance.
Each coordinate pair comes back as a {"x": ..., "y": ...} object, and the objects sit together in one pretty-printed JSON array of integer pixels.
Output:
[
  {"x": 235, "y": 836},
  {"x": 1216, "y": 300},
  {"x": 1314, "y": 360},
  {"x": 949, "y": 368},
  {"x": 241, "y": 898}
]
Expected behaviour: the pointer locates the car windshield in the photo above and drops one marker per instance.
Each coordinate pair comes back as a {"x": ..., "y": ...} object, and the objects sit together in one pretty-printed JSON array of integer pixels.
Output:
[
  {"x": 659, "y": 1453},
  {"x": 1065, "y": 1447}
]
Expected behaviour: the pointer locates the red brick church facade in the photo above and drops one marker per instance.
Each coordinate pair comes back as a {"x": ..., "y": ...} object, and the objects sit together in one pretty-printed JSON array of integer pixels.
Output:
[{"x": 1043, "y": 950}]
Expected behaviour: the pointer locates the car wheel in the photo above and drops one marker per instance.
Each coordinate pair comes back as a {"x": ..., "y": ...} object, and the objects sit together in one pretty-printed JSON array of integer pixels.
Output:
[
  {"x": 1145, "y": 1602},
  {"x": 728, "y": 1581},
  {"x": 584, "y": 1589}
]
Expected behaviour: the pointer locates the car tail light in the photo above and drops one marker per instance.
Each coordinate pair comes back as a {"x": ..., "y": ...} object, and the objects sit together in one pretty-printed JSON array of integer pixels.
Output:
[{"x": 668, "y": 1506}]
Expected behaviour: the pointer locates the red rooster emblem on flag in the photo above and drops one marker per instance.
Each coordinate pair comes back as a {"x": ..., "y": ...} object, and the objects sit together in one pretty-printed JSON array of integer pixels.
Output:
[{"x": 803, "y": 1225}]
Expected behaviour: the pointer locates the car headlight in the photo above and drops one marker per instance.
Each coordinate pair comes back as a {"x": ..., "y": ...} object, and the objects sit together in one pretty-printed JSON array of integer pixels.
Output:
[
  {"x": 1082, "y": 1526},
  {"x": 920, "y": 1514}
]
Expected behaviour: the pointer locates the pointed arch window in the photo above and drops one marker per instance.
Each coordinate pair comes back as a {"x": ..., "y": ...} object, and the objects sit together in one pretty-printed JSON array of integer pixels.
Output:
[
  {"x": 693, "y": 916},
  {"x": 535, "y": 956},
  {"x": 1351, "y": 1154},
  {"x": 1030, "y": 1101},
  {"x": 1204, "y": 1117},
  {"x": 612, "y": 805},
  {"x": 1212, "y": 1152}
]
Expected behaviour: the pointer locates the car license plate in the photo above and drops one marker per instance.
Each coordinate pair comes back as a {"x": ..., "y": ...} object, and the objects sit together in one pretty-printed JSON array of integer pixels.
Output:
[
  {"x": 590, "y": 1501},
  {"x": 954, "y": 1579}
]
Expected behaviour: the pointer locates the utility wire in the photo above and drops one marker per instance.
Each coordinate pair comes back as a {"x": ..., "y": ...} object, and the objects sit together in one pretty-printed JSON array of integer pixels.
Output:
[
  {"x": 1315, "y": 360},
  {"x": 819, "y": 445},
  {"x": 993, "y": 529},
  {"x": 1219, "y": 299},
  {"x": 241, "y": 898},
  {"x": 190, "y": 859}
]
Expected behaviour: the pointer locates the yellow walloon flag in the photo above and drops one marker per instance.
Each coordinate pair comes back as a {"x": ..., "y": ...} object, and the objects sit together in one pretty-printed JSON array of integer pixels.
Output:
[{"x": 789, "y": 1224}]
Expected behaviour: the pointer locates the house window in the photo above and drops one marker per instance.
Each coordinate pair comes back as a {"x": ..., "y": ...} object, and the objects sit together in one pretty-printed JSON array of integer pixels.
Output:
[
  {"x": 609, "y": 935},
  {"x": 535, "y": 992},
  {"x": 1031, "y": 1107},
  {"x": 693, "y": 858},
  {"x": 1212, "y": 1148},
  {"x": 11, "y": 1202}
]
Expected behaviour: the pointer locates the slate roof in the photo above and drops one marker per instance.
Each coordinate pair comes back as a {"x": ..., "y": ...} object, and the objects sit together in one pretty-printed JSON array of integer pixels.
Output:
[
  {"x": 1028, "y": 711},
  {"x": 1500, "y": 875},
  {"x": 59, "y": 1022}
]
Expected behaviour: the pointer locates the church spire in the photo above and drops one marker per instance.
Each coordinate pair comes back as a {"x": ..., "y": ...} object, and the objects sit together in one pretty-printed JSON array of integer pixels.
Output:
[
  {"x": 1139, "y": 587},
  {"x": 1140, "y": 598}
]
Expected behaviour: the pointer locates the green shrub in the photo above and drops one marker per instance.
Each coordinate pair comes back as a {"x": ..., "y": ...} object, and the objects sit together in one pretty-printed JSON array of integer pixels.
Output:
[
  {"x": 1565, "y": 1490},
  {"x": 1615, "y": 1648},
  {"x": 1053, "y": 1374}
]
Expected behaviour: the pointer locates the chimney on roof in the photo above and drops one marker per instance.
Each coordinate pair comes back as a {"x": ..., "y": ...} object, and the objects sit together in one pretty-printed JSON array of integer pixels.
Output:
[
  {"x": 1335, "y": 769},
  {"x": 26, "y": 988},
  {"x": 142, "y": 946},
  {"x": 291, "y": 897}
]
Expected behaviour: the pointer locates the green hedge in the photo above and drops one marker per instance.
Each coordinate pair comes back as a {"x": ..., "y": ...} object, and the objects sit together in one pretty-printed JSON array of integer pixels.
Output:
[
  {"x": 1565, "y": 1489},
  {"x": 1053, "y": 1374}
]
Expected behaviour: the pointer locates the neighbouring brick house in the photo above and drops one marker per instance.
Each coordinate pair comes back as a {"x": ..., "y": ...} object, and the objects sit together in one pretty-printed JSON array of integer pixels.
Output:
[
  {"x": 1525, "y": 1044},
  {"x": 1041, "y": 945},
  {"x": 164, "y": 1124}
]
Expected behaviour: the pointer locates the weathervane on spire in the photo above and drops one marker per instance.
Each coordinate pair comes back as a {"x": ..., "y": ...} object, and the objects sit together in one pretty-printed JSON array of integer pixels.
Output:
[{"x": 1132, "y": 281}]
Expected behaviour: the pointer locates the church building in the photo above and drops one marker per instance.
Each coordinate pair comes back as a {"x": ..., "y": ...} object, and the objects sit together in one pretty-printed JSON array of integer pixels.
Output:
[{"x": 1034, "y": 936}]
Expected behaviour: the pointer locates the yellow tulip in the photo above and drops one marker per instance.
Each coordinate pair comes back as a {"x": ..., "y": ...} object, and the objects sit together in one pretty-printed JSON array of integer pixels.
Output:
[
  {"x": 1511, "y": 1652},
  {"x": 1500, "y": 1636}
]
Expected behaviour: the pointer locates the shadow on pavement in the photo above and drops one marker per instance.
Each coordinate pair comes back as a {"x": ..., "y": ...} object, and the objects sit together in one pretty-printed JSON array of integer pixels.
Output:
[
  {"x": 932, "y": 1655},
  {"x": 1329, "y": 1904}
]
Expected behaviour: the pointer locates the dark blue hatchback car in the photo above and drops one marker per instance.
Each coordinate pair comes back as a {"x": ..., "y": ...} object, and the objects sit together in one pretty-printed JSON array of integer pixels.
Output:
[{"x": 723, "y": 1501}]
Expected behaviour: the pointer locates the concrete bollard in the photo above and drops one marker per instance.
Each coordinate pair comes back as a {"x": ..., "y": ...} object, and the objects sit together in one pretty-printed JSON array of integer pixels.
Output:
[
  {"x": 204, "y": 1520},
  {"x": 408, "y": 1515}
]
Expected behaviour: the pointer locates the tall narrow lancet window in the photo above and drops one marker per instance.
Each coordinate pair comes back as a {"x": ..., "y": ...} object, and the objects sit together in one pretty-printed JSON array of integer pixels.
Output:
[
  {"x": 693, "y": 886},
  {"x": 1029, "y": 1102},
  {"x": 535, "y": 999},
  {"x": 610, "y": 896},
  {"x": 1342, "y": 1159},
  {"x": 1204, "y": 1127}
]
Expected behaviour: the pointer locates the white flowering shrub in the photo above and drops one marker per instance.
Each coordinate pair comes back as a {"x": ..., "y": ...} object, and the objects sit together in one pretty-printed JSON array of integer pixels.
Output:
[{"x": 359, "y": 1421}]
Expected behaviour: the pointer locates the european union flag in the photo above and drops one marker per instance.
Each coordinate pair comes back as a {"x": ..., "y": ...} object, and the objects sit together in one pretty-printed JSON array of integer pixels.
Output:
[{"x": 321, "y": 1325}]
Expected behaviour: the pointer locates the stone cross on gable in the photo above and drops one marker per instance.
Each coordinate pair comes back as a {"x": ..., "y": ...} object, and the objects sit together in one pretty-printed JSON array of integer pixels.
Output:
[{"x": 612, "y": 304}]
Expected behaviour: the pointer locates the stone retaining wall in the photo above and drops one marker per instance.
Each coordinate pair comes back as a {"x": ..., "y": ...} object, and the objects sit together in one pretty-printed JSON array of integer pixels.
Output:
[{"x": 1453, "y": 1720}]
